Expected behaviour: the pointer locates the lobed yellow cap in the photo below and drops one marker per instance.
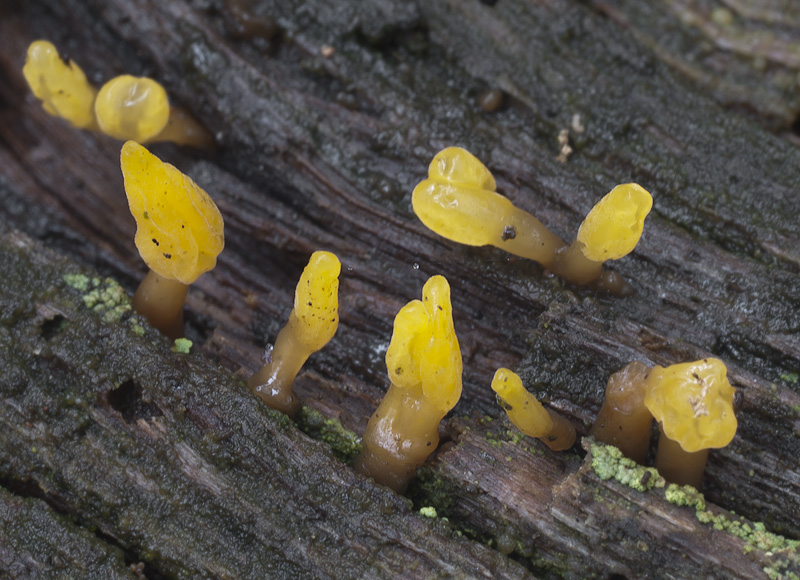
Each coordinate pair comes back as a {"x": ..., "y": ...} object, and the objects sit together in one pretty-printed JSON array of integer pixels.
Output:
[
  {"x": 614, "y": 225},
  {"x": 424, "y": 350},
  {"x": 458, "y": 200},
  {"x": 130, "y": 107},
  {"x": 693, "y": 402},
  {"x": 316, "y": 300},
  {"x": 179, "y": 230},
  {"x": 60, "y": 84}
]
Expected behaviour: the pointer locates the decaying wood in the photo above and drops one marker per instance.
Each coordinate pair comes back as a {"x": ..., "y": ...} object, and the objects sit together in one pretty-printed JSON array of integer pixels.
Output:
[{"x": 324, "y": 128}]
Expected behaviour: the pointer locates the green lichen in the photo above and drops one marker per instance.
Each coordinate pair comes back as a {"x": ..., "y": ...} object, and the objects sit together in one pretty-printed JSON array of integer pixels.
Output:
[
  {"x": 429, "y": 489},
  {"x": 104, "y": 297},
  {"x": 345, "y": 444},
  {"x": 608, "y": 462},
  {"x": 515, "y": 437},
  {"x": 428, "y": 511},
  {"x": 136, "y": 327},
  {"x": 77, "y": 281},
  {"x": 790, "y": 377},
  {"x": 182, "y": 345},
  {"x": 685, "y": 495},
  {"x": 754, "y": 534}
]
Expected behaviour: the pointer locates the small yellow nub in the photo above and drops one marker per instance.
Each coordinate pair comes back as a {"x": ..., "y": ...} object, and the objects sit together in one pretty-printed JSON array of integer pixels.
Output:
[
  {"x": 132, "y": 108},
  {"x": 613, "y": 227},
  {"x": 424, "y": 348},
  {"x": 60, "y": 85},
  {"x": 693, "y": 402},
  {"x": 527, "y": 414},
  {"x": 179, "y": 230},
  {"x": 316, "y": 300}
]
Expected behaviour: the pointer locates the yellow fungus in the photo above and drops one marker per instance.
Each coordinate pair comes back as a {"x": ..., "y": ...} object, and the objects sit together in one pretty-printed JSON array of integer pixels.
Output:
[
  {"x": 179, "y": 233},
  {"x": 125, "y": 108},
  {"x": 183, "y": 129},
  {"x": 312, "y": 324},
  {"x": 458, "y": 201},
  {"x": 528, "y": 414},
  {"x": 693, "y": 404},
  {"x": 60, "y": 84},
  {"x": 614, "y": 225},
  {"x": 130, "y": 107},
  {"x": 424, "y": 364},
  {"x": 609, "y": 231},
  {"x": 624, "y": 421}
]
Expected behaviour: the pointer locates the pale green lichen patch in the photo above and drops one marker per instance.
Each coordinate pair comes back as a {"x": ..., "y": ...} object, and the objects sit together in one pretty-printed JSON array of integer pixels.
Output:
[
  {"x": 182, "y": 345},
  {"x": 685, "y": 495},
  {"x": 428, "y": 511},
  {"x": 77, "y": 281},
  {"x": 136, "y": 326},
  {"x": 346, "y": 445},
  {"x": 104, "y": 297},
  {"x": 608, "y": 462},
  {"x": 754, "y": 534}
]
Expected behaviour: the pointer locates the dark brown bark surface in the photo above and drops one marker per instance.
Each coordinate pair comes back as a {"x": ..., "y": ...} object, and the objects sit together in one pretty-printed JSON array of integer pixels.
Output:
[{"x": 693, "y": 100}]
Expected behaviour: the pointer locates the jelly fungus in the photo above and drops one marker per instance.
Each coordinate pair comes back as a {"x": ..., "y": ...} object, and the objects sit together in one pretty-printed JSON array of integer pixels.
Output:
[
  {"x": 610, "y": 231},
  {"x": 693, "y": 404},
  {"x": 424, "y": 364},
  {"x": 312, "y": 324},
  {"x": 458, "y": 201},
  {"x": 60, "y": 84},
  {"x": 132, "y": 108},
  {"x": 623, "y": 420},
  {"x": 179, "y": 234},
  {"x": 528, "y": 414},
  {"x": 126, "y": 107}
]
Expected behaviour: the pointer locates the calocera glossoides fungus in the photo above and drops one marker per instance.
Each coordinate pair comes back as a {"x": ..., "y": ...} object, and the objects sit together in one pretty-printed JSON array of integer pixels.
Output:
[
  {"x": 458, "y": 201},
  {"x": 179, "y": 234}
]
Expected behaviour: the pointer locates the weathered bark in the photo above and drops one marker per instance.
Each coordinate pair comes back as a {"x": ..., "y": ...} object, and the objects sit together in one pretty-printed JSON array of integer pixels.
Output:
[{"x": 321, "y": 153}]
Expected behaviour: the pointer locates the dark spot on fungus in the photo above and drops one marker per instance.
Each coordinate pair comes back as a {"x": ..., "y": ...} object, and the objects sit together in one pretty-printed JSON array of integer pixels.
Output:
[
  {"x": 398, "y": 371},
  {"x": 155, "y": 241},
  {"x": 509, "y": 233},
  {"x": 504, "y": 404},
  {"x": 168, "y": 256}
]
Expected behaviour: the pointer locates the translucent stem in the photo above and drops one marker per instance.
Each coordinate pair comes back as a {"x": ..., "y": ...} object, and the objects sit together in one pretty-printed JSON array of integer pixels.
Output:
[
  {"x": 160, "y": 300},
  {"x": 624, "y": 421},
  {"x": 183, "y": 129},
  {"x": 521, "y": 234},
  {"x": 570, "y": 264},
  {"x": 679, "y": 466},
  {"x": 561, "y": 435},
  {"x": 273, "y": 383},
  {"x": 399, "y": 437}
]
